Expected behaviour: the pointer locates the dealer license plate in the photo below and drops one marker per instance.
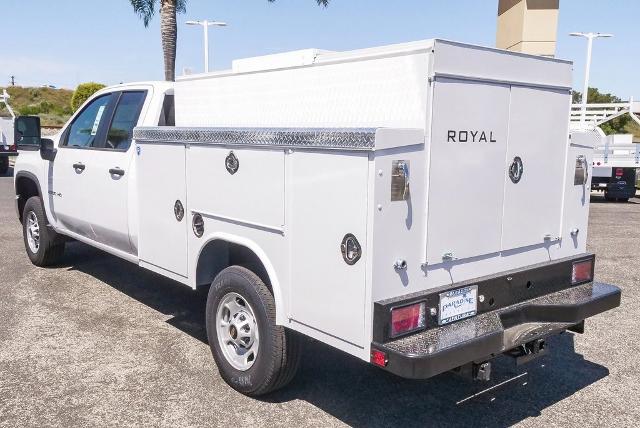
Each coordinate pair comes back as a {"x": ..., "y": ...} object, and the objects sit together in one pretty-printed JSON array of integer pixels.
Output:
[{"x": 458, "y": 304}]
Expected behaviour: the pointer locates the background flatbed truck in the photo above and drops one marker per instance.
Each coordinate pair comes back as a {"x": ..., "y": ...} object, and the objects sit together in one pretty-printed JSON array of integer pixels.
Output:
[
  {"x": 615, "y": 166},
  {"x": 311, "y": 192},
  {"x": 7, "y": 144},
  {"x": 616, "y": 158}
]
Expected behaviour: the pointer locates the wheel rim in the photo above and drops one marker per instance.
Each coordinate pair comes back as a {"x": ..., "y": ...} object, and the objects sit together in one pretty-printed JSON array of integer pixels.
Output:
[
  {"x": 33, "y": 232},
  {"x": 237, "y": 330}
]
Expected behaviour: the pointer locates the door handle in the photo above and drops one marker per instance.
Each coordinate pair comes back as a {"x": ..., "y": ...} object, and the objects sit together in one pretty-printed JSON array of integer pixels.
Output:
[
  {"x": 79, "y": 166},
  {"x": 116, "y": 171}
]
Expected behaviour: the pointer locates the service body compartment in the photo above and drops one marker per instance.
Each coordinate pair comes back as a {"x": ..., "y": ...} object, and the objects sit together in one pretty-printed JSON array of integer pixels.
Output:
[
  {"x": 328, "y": 293},
  {"x": 533, "y": 204},
  {"x": 452, "y": 171},
  {"x": 162, "y": 193},
  {"x": 252, "y": 195},
  {"x": 467, "y": 151},
  {"x": 487, "y": 138}
]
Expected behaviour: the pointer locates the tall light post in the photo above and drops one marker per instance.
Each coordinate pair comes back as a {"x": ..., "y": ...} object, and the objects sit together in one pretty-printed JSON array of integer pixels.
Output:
[
  {"x": 205, "y": 25},
  {"x": 585, "y": 91}
]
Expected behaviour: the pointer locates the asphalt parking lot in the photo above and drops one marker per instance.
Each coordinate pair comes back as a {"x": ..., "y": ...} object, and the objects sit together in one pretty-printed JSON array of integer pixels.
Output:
[{"x": 98, "y": 341}]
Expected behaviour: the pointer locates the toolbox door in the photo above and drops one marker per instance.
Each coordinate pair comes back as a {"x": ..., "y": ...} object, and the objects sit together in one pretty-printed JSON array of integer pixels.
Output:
[
  {"x": 539, "y": 139},
  {"x": 468, "y": 146},
  {"x": 162, "y": 195},
  {"x": 328, "y": 204}
]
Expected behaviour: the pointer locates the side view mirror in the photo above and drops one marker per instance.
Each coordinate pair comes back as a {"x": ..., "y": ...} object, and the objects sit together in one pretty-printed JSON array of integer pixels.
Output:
[
  {"x": 47, "y": 149},
  {"x": 26, "y": 131}
]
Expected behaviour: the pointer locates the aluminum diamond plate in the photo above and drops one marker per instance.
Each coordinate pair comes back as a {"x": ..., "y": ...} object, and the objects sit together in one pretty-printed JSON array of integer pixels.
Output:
[{"x": 322, "y": 138}]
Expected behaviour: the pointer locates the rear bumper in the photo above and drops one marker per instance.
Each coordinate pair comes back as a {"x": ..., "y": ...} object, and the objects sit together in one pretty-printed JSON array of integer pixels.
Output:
[{"x": 489, "y": 334}]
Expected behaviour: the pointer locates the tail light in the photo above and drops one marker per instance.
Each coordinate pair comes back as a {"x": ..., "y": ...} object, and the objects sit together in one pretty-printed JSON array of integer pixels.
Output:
[
  {"x": 12, "y": 148},
  {"x": 619, "y": 173},
  {"x": 582, "y": 271},
  {"x": 379, "y": 358},
  {"x": 409, "y": 318}
]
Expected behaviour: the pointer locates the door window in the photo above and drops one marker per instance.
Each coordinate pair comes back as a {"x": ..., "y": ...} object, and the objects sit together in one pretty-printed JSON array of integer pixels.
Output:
[
  {"x": 125, "y": 118},
  {"x": 84, "y": 129}
]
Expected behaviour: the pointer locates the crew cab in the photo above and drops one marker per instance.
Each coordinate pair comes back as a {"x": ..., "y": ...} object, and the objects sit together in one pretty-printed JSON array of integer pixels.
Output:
[{"x": 318, "y": 193}]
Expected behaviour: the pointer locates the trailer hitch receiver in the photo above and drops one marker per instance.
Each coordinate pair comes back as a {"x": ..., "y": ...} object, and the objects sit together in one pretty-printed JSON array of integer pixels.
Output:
[{"x": 529, "y": 351}]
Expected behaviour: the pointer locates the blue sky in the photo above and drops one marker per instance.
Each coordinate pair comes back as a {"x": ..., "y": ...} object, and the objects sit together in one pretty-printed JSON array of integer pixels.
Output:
[{"x": 66, "y": 42}]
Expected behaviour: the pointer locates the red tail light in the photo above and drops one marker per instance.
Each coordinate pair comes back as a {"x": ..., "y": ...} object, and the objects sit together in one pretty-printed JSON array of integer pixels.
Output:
[
  {"x": 12, "y": 148},
  {"x": 378, "y": 358},
  {"x": 408, "y": 318},
  {"x": 619, "y": 172},
  {"x": 582, "y": 271}
]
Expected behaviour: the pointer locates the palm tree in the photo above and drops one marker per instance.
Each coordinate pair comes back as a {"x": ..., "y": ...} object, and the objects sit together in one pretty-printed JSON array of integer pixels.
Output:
[
  {"x": 169, "y": 9},
  {"x": 146, "y": 9}
]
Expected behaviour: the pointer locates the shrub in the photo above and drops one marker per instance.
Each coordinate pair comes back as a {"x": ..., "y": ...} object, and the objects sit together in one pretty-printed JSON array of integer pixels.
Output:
[
  {"x": 32, "y": 110},
  {"x": 83, "y": 92},
  {"x": 45, "y": 107}
]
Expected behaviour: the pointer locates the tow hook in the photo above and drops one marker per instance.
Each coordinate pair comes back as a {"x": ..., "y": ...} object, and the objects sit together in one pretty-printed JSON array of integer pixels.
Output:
[
  {"x": 529, "y": 351},
  {"x": 482, "y": 371}
]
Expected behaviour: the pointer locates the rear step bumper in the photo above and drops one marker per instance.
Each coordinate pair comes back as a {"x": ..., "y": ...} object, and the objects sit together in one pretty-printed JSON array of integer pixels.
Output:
[{"x": 489, "y": 334}]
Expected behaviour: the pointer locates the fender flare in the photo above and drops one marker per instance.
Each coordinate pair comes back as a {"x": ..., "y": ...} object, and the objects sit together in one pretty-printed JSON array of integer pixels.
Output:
[
  {"x": 30, "y": 176},
  {"x": 251, "y": 245}
]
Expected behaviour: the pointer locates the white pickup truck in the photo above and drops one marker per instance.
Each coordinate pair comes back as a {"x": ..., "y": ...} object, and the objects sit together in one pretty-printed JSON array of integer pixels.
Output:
[{"x": 384, "y": 201}]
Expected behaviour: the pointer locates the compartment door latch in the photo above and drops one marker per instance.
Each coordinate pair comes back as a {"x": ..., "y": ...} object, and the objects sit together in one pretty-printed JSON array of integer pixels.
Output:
[
  {"x": 400, "y": 180},
  {"x": 582, "y": 171}
]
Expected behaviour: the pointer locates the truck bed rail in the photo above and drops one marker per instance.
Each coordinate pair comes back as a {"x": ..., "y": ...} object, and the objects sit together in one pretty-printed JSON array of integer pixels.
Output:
[{"x": 321, "y": 138}]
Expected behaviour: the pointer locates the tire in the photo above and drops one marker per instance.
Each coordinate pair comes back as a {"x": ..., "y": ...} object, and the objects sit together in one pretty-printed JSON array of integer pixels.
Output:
[
  {"x": 235, "y": 293},
  {"x": 623, "y": 199},
  {"x": 48, "y": 247},
  {"x": 4, "y": 165},
  {"x": 608, "y": 198}
]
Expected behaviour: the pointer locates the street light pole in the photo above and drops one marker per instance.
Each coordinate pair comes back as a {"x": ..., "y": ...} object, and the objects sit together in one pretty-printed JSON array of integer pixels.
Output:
[
  {"x": 587, "y": 72},
  {"x": 205, "y": 25}
]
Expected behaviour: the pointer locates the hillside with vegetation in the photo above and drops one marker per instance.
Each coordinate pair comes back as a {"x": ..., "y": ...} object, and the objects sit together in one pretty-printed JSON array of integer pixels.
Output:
[{"x": 52, "y": 105}]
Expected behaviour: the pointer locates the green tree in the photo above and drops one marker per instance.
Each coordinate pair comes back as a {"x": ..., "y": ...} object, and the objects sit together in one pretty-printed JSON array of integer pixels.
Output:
[
  {"x": 619, "y": 125},
  {"x": 169, "y": 9},
  {"x": 83, "y": 92}
]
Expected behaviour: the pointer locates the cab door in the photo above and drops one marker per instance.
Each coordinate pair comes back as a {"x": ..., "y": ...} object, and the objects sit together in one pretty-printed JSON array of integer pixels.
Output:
[
  {"x": 111, "y": 194},
  {"x": 91, "y": 171},
  {"x": 73, "y": 175}
]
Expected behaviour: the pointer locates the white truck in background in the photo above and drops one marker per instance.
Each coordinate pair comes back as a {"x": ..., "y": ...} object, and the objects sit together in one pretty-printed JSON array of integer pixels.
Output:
[
  {"x": 615, "y": 167},
  {"x": 616, "y": 158},
  {"x": 7, "y": 134},
  {"x": 317, "y": 193}
]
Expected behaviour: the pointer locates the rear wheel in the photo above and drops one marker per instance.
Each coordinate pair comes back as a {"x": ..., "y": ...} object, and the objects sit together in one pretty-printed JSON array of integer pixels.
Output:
[
  {"x": 254, "y": 355},
  {"x": 44, "y": 246}
]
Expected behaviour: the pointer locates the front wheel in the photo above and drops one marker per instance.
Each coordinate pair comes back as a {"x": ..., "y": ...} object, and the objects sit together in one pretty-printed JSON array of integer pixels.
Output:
[
  {"x": 44, "y": 247},
  {"x": 253, "y": 354}
]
